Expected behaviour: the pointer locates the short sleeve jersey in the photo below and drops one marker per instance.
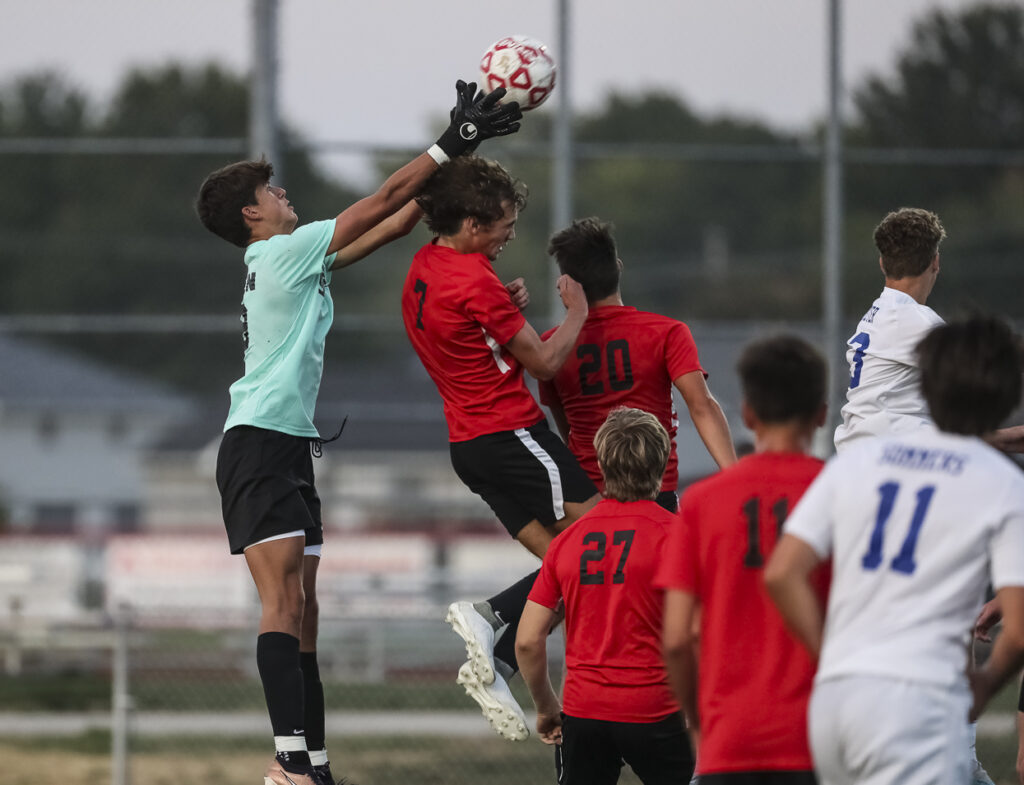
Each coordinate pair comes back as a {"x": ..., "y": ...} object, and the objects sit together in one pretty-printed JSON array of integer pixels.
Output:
[
  {"x": 884, "y": 393},
  {"x": 916, "y": 526},
  {"x": 623, "y": 357},
  {"x": 286, "y": 313},
  {"x": 603, "y": 568},
  {"x": 458, "y": 317},
  {"x": 754, "y": 677}
]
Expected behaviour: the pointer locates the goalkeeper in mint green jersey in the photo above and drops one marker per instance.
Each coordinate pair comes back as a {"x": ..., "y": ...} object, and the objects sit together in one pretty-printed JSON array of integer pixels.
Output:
[{"x": 264, "y": 467}]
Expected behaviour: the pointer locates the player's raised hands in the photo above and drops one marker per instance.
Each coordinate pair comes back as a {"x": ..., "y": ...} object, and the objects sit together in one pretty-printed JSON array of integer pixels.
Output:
[
  {"x": 491, "y": 117},
  {"x": 572, "y": 294},
  {"x": 517, "y": 290},
  {"x": 476, "y": 117}
]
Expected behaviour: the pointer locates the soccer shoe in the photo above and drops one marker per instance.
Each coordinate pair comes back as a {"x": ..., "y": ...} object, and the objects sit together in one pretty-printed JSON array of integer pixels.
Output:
[
  {"x": 276, "y": 775},
  {"x": 479, "y": 637},
  {"x": 979, "y": 776},
  {"x": 497, "y": 703},
  {"x": 279, "y": 776},
  {"x": 323, "y": 776}
]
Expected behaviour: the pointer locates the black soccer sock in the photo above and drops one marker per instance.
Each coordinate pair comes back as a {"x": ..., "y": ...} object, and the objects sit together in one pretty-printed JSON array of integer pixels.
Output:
[
  {"x": 277, "y": 658},
  {"x": 508, "y": 606},
  {"x": 316, "y": 731}
]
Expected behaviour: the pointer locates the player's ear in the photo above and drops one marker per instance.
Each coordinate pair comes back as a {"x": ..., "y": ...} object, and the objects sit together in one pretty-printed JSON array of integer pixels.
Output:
[
  {"x": 747, "y": 414},
  {"x": 251, "y": 211},
  {"x": 821, "y": 416}
]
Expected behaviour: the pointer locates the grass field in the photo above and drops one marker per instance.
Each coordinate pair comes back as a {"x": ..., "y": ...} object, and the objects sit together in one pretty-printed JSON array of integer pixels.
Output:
[{"x": 376, "y": 760}]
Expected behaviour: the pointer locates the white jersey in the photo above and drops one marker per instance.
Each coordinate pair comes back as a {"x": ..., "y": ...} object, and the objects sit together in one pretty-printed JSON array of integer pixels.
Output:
[
  {"x": 916, "y": 527},
  {"x": 884, "y": 396}
]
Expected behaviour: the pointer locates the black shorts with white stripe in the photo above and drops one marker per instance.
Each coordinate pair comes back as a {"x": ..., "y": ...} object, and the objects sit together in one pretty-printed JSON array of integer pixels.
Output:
[{"x": 523, "y": 475}]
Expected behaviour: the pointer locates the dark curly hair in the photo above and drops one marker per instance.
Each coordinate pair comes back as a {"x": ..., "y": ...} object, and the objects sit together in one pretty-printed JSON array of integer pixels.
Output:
[
  {"x": 585, "y": 251},
  {"x": 468, "y": 187},
  {"x": 223, "y": 195},
  {"x": 908, "y": 240}
]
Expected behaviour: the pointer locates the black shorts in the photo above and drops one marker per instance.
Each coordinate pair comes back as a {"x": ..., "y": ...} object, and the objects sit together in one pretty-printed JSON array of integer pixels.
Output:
[
  {"x": 593, "y": 751},
  {"x": 799, "y": 777},
  {"x": 265, "y": 479},
  {"x": 524, "y": 475},
  {"x": 669, "y": 500}
]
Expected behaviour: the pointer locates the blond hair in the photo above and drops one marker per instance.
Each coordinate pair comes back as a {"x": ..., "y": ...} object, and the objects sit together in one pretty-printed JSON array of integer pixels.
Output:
[{"x": 632, "y": 451}]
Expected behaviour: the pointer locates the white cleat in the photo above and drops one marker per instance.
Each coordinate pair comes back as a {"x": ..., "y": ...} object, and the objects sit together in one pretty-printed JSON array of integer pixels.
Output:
[
  {"x": 479, "y": 637},
  {"x": 497, "y": 703}
]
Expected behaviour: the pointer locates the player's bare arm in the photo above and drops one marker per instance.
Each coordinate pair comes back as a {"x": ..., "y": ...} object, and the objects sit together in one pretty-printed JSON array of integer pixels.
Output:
[
  {"x": 991, "y": 614},
  {"x": 708, "y": 417},
  {"x": 1007, "y": 439},
  {"x": 679, "y": 650},
  {"x": 481, "y": 113},
  {"x": 531, "y": 653},
  {"x": 561, "y": 420},
  {"x": 1007, "y": 655},
  {"x": 542, "y": 359},
  {"x": 391, "y": 228},
  {"x": 787, "y": 578},
  {"x": 392, "y": 196}
]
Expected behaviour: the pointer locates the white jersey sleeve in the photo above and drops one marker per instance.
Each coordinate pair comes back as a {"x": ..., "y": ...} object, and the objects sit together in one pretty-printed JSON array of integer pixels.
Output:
[{"x": 811, "y": 519}]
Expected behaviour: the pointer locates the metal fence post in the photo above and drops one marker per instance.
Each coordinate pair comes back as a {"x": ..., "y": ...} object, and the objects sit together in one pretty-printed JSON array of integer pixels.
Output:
[{"x": 120, "y": 699}]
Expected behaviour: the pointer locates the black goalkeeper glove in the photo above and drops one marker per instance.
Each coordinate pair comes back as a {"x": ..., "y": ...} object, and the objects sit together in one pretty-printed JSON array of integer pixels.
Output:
[{"x": 476, "y": 117}]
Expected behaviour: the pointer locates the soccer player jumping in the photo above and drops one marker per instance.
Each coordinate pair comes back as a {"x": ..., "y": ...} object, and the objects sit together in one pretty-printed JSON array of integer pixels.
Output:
[{"x": 468, "y": 331}]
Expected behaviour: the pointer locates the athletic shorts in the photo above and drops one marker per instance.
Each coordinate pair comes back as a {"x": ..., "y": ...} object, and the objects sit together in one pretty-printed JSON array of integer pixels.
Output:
[
  {"x": 796, "y": 777},
  {"x": 874, "y": 730},
  {"x": 265, "y": 479},
  {"x": 593, "y": 751},
  {"x": 523, "y": 475},
  {"x": 669, "y": 500}
]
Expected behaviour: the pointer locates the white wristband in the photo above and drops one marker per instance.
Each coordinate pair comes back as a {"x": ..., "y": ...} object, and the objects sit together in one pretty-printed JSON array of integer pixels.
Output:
[{"x": 439, "y": 155}]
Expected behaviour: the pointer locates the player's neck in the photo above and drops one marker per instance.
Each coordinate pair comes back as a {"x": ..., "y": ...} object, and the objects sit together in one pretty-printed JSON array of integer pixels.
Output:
[
  {"x": 917, "y": 286},
  {"x": 784, "y": 437},
  {"x": 612, "y": 299}
]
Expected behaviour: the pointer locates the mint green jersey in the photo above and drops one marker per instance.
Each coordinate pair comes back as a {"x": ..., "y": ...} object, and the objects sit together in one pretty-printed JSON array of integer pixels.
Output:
[{"x": 286, "y": 313}]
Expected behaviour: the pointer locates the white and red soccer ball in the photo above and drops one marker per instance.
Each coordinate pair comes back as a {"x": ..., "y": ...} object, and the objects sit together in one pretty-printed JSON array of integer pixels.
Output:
[{"x": 523, "y": 66}]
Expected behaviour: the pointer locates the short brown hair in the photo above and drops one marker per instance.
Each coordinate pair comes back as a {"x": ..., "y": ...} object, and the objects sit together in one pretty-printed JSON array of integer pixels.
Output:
[
  {"x": 783, "y": 379},
  {"x": 225, "y": 192},
  {"x": 632, "y": 451},
  {"x": 908, "y": 240},
  {"x": 970, "y": 374},
  {"x": 585, "y": 251},
  {"x": 468, "y": 187}
]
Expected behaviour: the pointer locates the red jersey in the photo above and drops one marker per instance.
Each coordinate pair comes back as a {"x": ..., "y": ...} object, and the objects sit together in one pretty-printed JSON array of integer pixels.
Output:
[
  {"x": 459, "y": 316},
  {"x": 623, "y": 357},
  {"x": 754, "y": 676},
  {"x": 603, "y": 568}
]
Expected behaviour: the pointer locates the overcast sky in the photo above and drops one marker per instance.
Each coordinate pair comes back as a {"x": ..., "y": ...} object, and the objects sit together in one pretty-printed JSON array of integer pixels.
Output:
[{"x": 382, "y": 69}]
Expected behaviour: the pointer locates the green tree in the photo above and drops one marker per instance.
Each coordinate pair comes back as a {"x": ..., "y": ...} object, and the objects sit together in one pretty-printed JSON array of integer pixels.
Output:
[{"x": 958, "y": 83}]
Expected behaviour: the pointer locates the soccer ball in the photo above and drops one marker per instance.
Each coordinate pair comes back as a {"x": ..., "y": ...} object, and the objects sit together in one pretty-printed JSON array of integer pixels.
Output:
[{"x": 522, "y": 66}]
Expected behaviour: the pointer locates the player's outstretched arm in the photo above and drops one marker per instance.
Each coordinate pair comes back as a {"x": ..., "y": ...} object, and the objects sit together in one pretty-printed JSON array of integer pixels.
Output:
[
  {"x": 787, "y": 578},
  {"x": 473, "y": 118},
  {"x": 532, "y": 656},
  {"x": 542, "y": 359},
  {"x": 391, "y": 228},
  {"x": 1007, "y": 439},
  {"x": 1007, "y": 655},
  {"x": 679, "y": 650},
  {"x": 708, "y": 417}
]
